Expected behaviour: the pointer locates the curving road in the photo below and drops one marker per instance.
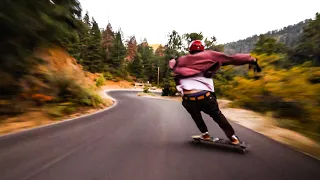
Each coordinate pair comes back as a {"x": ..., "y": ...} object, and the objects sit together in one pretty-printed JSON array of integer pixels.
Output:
[{"x": 144, "y": 139}]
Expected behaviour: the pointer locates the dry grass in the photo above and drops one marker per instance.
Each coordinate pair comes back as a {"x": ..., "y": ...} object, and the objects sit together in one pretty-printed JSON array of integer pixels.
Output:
[
  {"x": 57, "y": 62},
  {"x": 269, "y": 127},
  {"x": 24, "y": 121},
  {"x": 117, "y": 85},
  {"x": 38, "y": 116}
]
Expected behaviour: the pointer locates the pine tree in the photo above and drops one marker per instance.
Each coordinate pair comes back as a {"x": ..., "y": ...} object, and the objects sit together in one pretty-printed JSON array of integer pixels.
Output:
[
  {"x": 159, "y": 51},
  {"x": 172, "y": 49},
  {"x": 268, "y": 45},
  {"x": 94, "y": 47},
  {"x": 85, "y": 38},
  {"x": 86, "y": 20},
  {"x": 117, "y": 51},
  {"x": 309, "y": 45},
  {"x": 136, "y": 67},
  {"x": 107, "y": 41},
  {"x": 35, "y": 25},
  {"x": 147, "y": 60},
  {"x": 132, "y": 48}
]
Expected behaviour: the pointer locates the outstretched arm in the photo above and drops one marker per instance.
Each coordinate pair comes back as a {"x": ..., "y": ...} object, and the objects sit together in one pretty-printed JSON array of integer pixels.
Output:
[{"x": 237, "y": 59}]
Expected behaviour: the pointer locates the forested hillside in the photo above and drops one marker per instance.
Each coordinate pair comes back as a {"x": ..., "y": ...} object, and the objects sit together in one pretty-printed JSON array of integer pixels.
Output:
[
  {"x": 288, "y": 88},
  {"x": 49, "y": 49},
  {"x": 288, "y": 35},
  {"x": 54, "y": 56}
]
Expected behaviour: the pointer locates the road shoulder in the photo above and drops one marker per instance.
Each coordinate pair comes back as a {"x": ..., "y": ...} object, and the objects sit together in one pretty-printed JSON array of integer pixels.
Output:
[{"x": 261, "y": 124}]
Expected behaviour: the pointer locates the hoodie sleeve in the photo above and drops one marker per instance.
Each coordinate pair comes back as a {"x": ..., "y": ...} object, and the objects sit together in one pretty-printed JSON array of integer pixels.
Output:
[{"x": 237, "y": 59}]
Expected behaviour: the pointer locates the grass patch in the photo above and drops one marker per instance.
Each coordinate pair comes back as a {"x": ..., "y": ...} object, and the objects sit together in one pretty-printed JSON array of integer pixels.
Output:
[
  {"x": 299, "y": 127},
  {"x": 60, "y": 110}
]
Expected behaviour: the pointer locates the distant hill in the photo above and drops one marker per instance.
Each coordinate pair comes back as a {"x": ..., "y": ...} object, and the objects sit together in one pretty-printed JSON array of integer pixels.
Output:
[{"x": 288, "y": 35}]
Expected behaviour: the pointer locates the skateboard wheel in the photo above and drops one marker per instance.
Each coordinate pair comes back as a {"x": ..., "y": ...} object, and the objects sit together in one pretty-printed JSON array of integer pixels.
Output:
[
  {"x": 242, "y": 151},
  {"x": 196, "y": 141}
]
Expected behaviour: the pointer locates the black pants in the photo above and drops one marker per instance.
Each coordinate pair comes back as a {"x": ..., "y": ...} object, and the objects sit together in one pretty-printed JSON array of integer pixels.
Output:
[{"x": 208, "y": 105}]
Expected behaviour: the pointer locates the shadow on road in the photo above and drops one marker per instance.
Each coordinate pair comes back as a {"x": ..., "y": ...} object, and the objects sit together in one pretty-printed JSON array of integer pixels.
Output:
[{"x": 210, "y": 147}]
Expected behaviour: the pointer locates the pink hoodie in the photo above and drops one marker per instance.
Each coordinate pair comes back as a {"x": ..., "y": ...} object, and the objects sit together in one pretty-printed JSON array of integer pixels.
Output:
[{"x": 190, "y": 65}]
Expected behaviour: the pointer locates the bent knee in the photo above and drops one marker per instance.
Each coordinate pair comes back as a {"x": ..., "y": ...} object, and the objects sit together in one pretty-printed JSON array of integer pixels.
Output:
[{"x": 216, "y": 114}]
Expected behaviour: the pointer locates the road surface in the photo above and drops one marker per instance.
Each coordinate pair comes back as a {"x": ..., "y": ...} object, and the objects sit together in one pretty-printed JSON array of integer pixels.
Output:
[{"x": 144, "y": 139}]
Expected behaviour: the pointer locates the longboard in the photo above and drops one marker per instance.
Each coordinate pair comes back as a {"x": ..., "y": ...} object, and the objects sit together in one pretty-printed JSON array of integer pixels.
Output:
[{"x": 242, "y": 147}]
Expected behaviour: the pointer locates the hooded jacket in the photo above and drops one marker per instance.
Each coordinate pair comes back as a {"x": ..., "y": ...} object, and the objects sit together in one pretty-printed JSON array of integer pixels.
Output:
[{"x": 208, "y": 60}]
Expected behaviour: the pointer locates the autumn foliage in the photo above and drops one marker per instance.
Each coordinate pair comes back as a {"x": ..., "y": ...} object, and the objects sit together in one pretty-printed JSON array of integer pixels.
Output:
[{"x": 292, "y": 95}]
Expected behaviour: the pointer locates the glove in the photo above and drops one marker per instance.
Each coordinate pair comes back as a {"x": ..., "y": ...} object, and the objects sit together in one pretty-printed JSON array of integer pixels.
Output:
[
  {"x": 253, "y": 61},
  {"x": 254, "y": 64}
]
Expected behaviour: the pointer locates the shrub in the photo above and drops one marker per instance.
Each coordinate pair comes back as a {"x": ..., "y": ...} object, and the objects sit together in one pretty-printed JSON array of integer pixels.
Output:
[
  {"x": 100, "y": 81},
  {"x": 146, "y": 89},
  {"x": 68, "y": 90},
  {"x": 108, "y": 75},
  {"x": 291, "y": 93}
]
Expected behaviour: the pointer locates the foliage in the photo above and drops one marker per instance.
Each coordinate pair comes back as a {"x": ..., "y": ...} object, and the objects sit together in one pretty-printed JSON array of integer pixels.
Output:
[
  {"x": 117, "y": 51},
  {"x": 288, "y": 85},
  {"x": 268, "y": 45},
  {"x": 68, "y": 90},
  {"x": 135, "y": 67},
  {"x": 100, "y": 81},
  {"x": 189, "y": 37},
  {"x": 287, "y": 93},
  {"x": 146, "y": 89},
  {"x": 309, "y": 44},
  {"x": 107, "y": 41},
  {"x": 26, "y": 25},
  {"x": 132, "y": 48},
  {"x": 107, "y": 75}
]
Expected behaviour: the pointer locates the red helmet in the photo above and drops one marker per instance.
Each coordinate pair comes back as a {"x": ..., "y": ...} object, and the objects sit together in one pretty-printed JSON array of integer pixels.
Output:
[{"x": 196, "y": 45}]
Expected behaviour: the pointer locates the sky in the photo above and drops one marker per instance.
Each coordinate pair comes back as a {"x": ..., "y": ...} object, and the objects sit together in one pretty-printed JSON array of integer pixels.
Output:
[{"x": 227, "y": 20}]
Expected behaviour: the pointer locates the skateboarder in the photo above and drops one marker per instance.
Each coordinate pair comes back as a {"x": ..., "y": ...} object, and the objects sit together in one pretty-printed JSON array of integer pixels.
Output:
[{"x": 193, "y": 76}]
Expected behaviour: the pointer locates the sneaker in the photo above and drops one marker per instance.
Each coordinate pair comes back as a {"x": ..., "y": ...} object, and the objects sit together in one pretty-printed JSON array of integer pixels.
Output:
[
  {"x": 206, "y": 136},
  {"x": 235, "y": 140}
]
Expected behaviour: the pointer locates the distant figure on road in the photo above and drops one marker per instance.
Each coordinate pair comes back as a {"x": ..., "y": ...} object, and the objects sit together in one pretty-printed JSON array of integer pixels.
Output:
[{"x": 194, "y": 79}]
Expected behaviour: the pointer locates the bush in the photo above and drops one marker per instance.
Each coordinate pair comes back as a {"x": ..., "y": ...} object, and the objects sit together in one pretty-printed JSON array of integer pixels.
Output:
[
  {"x": 146, "y": 89},
  {"x": 291, "y": 93},
  {"x": 130, "y": 80},
  {"x": 59, "y": 111},
  {"x": 108, "y": 75},
  {"x": 100, "y": 81},
  {"x": 169, "y": 87},
  {"x": 89, "y": 98},
  {"x": 68, "y": 90}
]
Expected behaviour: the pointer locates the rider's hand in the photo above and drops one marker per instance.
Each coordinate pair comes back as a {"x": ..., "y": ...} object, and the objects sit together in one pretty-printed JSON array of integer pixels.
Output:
[
  {"x": 172, "y": 63},
  {"x": 254, "y": 64},
  {"x": 253, "y": 60}
]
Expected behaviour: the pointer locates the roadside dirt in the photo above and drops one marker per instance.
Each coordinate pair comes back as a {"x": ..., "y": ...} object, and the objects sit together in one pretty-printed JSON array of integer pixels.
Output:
[{"x": 38, "y": 117}]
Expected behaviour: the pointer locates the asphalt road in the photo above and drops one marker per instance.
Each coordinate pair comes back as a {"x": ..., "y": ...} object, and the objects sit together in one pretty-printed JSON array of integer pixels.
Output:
[{"x": 144, "y": 139}]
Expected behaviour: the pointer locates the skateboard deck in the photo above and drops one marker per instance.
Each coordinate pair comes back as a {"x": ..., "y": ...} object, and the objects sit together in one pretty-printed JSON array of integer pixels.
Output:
[{"x": 242, "y": 147}]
